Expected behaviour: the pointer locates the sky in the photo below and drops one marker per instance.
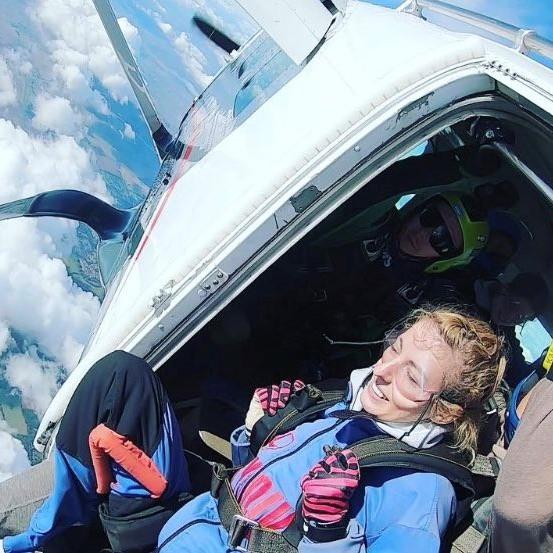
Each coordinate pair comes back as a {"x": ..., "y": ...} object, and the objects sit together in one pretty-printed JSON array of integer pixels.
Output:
[{"x": 68, "y": 119}]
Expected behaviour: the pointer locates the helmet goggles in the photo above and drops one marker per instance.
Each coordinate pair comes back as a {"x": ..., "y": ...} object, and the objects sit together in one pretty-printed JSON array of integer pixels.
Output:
[
  {"x": 440, "y": 237},
  {"x": 474, "y": 229}
]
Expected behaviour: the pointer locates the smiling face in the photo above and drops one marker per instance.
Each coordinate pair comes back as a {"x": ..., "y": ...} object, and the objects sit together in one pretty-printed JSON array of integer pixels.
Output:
[
  {"x": 411, "y": 370},
  {"x": 415, "y": 234}
]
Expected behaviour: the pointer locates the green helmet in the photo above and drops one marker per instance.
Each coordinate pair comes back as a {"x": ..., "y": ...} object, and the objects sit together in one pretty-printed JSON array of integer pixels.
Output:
[{"x": 475, "y": 236}]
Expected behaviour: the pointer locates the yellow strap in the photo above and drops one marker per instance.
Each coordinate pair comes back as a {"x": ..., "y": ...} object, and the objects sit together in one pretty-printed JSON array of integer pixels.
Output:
[{"x": 548, "y": 360}]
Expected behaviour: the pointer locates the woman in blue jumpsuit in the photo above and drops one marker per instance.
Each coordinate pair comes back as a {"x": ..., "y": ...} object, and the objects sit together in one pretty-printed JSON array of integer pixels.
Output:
[
  {"x": 119, "y": 444},
  {"x": 429, "y": 382}
]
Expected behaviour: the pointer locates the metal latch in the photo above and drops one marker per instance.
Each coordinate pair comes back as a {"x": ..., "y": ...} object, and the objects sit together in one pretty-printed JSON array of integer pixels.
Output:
[
  {"x": 213, "y": 282},
  {"x": 161, "y": 301}
]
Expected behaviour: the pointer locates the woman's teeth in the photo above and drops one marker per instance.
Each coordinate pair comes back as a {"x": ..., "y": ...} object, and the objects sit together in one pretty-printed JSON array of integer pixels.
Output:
[{"x": 377, "y": 391}]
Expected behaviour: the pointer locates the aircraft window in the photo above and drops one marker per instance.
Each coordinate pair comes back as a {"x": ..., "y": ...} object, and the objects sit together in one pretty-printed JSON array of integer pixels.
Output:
[
  {"x": 416, "y": 151},
  {"x": 404, "y": 200},
  {"x": 533, "y": 338},
  {"x": 255, "y": 88},
  {"x": 260, "y": 70}
]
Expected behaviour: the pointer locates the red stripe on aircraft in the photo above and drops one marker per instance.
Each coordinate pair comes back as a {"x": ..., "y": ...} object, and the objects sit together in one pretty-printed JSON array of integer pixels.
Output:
[{"x": 185, "y": 158}]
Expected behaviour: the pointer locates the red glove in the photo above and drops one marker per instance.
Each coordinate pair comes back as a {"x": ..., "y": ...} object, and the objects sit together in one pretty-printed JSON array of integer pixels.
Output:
[
  {"x": 275, "y": 397},
  {"x": 329, "y": 486}
]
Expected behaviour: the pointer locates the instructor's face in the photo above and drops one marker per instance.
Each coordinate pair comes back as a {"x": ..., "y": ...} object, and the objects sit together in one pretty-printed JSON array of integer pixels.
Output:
[{"x": 430, "y": 231}]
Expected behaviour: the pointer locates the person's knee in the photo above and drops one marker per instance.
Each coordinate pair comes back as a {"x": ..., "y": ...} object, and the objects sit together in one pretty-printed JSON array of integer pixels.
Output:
[{"x": 510, "y": 515}]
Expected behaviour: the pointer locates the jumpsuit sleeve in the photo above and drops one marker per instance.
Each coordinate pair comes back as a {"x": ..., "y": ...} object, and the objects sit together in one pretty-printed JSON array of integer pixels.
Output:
[{"x": 73, "y": 501}]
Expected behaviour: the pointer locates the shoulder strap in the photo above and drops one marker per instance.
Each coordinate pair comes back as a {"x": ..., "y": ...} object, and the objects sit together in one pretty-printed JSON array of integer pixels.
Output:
[{"x": 442, "y": 459}]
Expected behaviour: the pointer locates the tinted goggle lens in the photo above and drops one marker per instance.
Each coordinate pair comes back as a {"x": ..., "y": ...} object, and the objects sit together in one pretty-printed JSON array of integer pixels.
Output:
[
  {"x": 440, "y": 238},
  {"x": 430, "y": 217},
  {"x": 441, "y": 241}
]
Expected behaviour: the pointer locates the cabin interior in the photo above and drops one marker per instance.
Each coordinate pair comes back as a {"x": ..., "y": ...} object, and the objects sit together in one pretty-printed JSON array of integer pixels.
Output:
[{"x": 287, "y": 322}]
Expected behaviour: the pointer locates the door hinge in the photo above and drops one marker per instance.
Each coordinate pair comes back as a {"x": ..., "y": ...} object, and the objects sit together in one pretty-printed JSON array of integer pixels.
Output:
[{"x": 213, "y": 282}]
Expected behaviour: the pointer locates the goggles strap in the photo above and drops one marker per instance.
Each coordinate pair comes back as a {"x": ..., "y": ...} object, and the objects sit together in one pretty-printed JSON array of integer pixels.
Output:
[{"x": 419, "y": 419}]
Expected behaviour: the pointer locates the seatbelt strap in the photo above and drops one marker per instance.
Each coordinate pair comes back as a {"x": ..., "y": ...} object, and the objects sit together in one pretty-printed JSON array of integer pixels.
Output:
[
  {"x": 470, "y": 541},
  {"x": 486, "y": 466}
]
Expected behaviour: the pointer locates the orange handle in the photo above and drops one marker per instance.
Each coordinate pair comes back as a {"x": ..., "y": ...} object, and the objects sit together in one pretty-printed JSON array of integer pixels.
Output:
[{"x": 105, "y": 444}]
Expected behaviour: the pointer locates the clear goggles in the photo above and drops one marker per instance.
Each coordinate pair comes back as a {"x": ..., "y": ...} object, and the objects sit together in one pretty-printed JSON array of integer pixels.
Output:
[{"x": 409, "y": 380}]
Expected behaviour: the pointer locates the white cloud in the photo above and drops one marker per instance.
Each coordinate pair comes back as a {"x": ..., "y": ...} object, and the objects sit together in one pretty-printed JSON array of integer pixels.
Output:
[
  {"x": 7, "y": 89},
  {"x": 80, "y": 42},
  {"x": 193, "y": 59},
  {"x": 17, "y": 61},
  {"x": 39, "y": 298},
  {"x": 165, "y": 27},
  {"x": 128, "y": 132},
  {"x": 30, "y": 164},
  {"x": 36, "y": 380},
  {"x": 54, "y": 113},
  {"x": 5, "y": 337},
  {"x": 56, "y": 64},
  {"x": 76, "y": 85},
  {"x": 13, "y": 457}
]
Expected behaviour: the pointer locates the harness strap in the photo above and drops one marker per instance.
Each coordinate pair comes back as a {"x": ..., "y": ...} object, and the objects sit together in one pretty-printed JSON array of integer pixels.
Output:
[
  {"x": 440, "y": 459},
  {"x": 304, "y": 405},
  {"x": 470, "y": 541}
]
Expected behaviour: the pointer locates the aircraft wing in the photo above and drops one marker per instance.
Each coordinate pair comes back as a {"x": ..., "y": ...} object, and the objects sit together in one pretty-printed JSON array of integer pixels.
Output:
[{"x": 159, "y": 133}]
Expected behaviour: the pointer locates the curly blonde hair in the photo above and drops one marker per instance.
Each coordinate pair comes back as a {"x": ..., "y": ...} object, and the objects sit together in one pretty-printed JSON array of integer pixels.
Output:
[{"x": 481, "y": 360}]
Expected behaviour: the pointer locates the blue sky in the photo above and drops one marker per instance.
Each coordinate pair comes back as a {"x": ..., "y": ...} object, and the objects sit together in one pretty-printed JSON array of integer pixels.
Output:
[{"x": 533, "y": 14}]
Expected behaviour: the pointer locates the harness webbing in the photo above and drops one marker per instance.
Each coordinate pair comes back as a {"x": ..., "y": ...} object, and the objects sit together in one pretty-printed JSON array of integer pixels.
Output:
[
  {"x": 374, "y": 452},
  {"x": 470, "y": 541}
]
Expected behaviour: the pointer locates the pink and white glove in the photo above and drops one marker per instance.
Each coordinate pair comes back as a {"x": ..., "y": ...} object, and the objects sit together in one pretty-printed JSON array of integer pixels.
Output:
[
  {"x": 275, "y": 397},
  {"x": 329, "y": 486},
  {"x": 269, "y": 399}
]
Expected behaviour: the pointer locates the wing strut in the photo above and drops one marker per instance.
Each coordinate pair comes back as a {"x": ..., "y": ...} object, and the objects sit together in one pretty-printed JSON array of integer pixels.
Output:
[{"x": 160, "y": 134}]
